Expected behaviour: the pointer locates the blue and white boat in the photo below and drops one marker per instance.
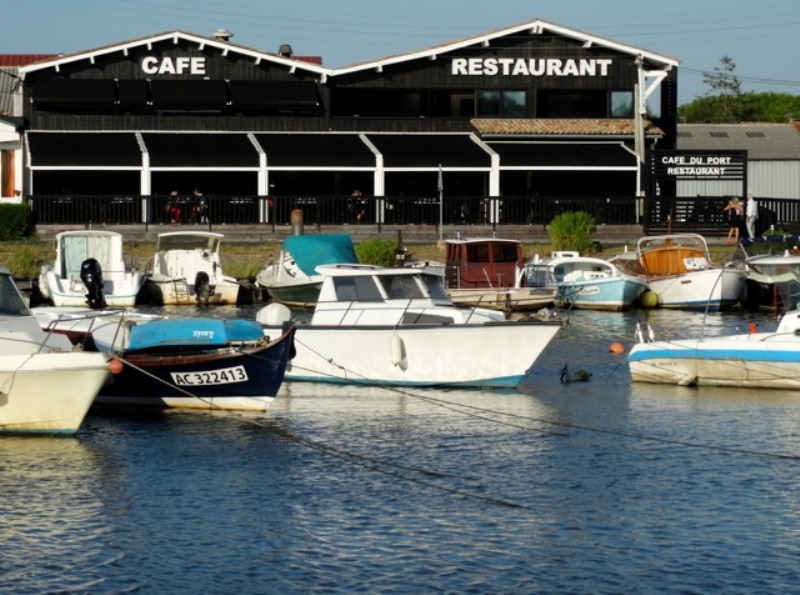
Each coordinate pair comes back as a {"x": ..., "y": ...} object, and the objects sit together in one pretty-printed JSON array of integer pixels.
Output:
[
  {"x": 750, "y": 360},
  {"x": 195, "y": 363},
  {"x": 585, "y": 282}
]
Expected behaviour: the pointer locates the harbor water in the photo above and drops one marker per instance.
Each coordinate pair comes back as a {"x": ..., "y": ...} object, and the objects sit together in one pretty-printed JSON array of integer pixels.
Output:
[{"x": 602, "y": 486}]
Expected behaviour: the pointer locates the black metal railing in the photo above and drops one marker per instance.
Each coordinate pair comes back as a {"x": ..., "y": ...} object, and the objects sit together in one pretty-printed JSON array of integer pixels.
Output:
[{"x": 656, "y": 214}]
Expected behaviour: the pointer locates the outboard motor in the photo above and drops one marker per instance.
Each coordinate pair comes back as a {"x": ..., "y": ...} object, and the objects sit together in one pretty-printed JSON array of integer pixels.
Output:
[
  {"x": 203, "y": 290},
  {"x": 92, "y": 277}
]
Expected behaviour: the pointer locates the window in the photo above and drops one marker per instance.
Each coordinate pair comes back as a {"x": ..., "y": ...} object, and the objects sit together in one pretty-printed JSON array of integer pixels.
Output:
[
  {"x": 621, "y": 104},
  {"x": 510, "y": 104}
]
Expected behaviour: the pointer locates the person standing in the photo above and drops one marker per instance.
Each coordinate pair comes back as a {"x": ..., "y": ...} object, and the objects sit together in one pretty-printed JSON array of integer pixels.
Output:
[
  {"x": 751, "y": 215},
  {"x": 735, "y": 216}
]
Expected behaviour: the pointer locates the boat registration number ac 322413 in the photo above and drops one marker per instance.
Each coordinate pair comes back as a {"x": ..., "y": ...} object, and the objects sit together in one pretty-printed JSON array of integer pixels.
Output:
[{"x": 209, "y": 377}]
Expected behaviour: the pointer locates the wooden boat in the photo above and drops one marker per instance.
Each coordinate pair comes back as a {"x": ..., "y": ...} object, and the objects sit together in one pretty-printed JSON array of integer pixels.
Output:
[
  {"x": 46, "y": 386},
  {"x": 749, "y": 360},
  {"x": 186, "y": 270},
  {"x": 292, "y": 279},
  {"x": 585, "y": 282},
  {"x": 195, "y": 363},
  {"x": 489, "y": 273},
  {"x": 397, "y": 326},
  {"x": 89, "y": 269},
  {"x": 678, "y": 270}
]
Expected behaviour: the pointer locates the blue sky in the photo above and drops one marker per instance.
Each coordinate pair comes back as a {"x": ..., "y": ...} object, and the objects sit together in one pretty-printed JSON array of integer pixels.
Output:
[{"x": 761, "y": 37}]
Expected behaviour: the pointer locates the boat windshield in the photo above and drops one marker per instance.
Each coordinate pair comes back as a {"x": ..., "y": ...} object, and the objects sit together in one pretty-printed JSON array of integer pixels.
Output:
[
  {"x": 11, "y": 301},
  {"x": 401, "y": 287},
  {"x": 435, "y": 288}
]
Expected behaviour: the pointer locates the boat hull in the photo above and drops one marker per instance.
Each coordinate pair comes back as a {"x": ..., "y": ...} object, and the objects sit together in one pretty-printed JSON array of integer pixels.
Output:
[
  {"x": 760, "y": 360},
  {"x": 715, "y": 289},
  {"x": 65, "y": 293},
  {"x": 245, "y": 378},
  {"x": 612, "y": 294},
  {"x": 494, "y": 355},
  {"x": 49, "y": 393},
  {"x": 176, "y": 292},
  {"x": 298, "y": 295}
]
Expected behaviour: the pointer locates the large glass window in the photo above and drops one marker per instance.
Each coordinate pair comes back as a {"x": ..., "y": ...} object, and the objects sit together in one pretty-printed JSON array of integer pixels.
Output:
[{"x": 509, "y": 104}]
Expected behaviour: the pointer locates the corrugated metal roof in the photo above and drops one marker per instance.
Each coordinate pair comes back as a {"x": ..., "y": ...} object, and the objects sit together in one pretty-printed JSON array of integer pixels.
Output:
[
  {"x": 561, "y": 127},
  {"x": 763, "y": 142}
]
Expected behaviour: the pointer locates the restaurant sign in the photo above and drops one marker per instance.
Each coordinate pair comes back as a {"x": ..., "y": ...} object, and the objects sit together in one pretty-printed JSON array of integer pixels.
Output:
[{"x": 699, "y": 165}]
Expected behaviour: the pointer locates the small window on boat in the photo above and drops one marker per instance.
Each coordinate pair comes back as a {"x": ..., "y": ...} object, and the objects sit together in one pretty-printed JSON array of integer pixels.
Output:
[
  {"x": 356, "y": 289},
  {"x": 435, "y": 288},
  {"x": 11, "y": 302},
  {"x": 401, "y": 287}
]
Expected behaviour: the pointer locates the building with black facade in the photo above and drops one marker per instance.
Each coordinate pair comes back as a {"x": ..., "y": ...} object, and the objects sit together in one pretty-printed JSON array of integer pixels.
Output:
[{"x": 533, "y": 110}]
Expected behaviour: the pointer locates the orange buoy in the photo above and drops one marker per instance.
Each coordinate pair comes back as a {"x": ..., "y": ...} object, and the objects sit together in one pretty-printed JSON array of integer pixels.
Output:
[
  {"x": 616, "y": 348},
  {"x": 115, "y": 366}
]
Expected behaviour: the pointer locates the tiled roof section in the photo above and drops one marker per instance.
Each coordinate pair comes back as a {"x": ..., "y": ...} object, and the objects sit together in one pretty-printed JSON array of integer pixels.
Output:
[
  {"x": 561, "y": 127},
  {"x": 23, "y": 59},
  {"x": 763, "y": 142}
]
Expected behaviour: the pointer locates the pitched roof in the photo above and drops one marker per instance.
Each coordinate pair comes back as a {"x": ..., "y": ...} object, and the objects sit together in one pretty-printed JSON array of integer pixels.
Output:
[
  {"x": 15, "y": 60},
  {"x": 764, "y": 142},
  {"x": 533, "y": 27},
  {"x": 561, "y": 127},
  {"x": 309, "y": 63}
]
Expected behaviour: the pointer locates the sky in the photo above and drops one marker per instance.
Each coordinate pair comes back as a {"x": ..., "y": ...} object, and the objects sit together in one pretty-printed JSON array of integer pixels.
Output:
[{"x": 761, "y": 37}]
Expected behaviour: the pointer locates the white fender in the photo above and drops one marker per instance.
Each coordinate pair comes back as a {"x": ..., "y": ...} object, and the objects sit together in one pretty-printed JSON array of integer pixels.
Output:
[{"x": 398, "y": 350}]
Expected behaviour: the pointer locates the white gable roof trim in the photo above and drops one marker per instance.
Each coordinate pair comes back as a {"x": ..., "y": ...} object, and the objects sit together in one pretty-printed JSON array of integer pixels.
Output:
[
  {"x": 534, "y": 27},
  {"x": 175, "y": 36}
]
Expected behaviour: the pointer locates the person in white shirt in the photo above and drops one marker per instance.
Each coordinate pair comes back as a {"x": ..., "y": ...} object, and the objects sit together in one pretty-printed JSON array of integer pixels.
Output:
[{"x": 751, "y": 215}]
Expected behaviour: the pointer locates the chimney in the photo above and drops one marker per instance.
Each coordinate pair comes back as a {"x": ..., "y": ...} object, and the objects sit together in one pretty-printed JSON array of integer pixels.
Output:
[
  {"x": 285, "y": 50},
  {"x": 222, "y": 35}
]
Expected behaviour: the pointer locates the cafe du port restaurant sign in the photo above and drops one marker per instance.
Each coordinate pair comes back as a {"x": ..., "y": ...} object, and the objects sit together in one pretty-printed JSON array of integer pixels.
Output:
[{"x": 699, "y": 165}]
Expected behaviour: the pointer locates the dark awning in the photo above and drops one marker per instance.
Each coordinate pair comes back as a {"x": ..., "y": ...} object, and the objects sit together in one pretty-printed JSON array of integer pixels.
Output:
[
  {"x": 200, "y": 149},
  {"x": 275, "y": 95},
  {"x": 430, "y": 150},
  {"x": 74, "y": 92},
  {"x": 315, "y": 150},
  {"x": 101, "y": 149},
  {"x": 189, "y": 95},
  {"x": 567, "y": 154}
]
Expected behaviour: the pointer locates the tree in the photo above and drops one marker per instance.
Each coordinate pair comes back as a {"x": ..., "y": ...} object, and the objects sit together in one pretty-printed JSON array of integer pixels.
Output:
[{"x": 726, "y": 87}]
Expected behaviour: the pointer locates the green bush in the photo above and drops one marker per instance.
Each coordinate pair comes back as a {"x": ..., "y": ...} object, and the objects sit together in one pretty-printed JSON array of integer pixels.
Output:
[
  {"x": 572, "y": 231},
  {"x": 13, "y": 222},
  {"x": 377, "y": 251}
]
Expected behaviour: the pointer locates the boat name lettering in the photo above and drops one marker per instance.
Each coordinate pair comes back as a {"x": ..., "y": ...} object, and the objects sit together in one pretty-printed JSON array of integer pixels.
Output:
[
  {"x": 530, "y": 66},
  {"x": 209, "y": 377},
  {"x": 180, "y": 65},
  {"x": 204, "y": 334}
]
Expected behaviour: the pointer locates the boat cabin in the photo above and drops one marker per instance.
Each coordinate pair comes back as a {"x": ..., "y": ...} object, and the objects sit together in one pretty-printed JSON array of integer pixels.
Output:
[{"x": 483, "y": 262}]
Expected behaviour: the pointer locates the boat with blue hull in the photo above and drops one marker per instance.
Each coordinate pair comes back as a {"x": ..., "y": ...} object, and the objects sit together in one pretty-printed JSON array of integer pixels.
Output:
[
  {"x": 749, "y": 360},
  {"x": 585, "y": 282},
  {"x": 194, "y": 363}
]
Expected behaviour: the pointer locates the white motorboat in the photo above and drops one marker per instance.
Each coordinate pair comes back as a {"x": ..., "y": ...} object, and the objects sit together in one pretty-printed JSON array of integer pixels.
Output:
[
  {"x": 678, "y": 270},
  {"x": 186, "y": 269},
  {"x": 90, "y": 269},
  {"x": 754, "y": 359},
  {"x": 397, "y": 326},
  {"x": 585, "y": 282},
  {"x": 46, "y": 387},
  {"x": 292, "y": 279}
]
